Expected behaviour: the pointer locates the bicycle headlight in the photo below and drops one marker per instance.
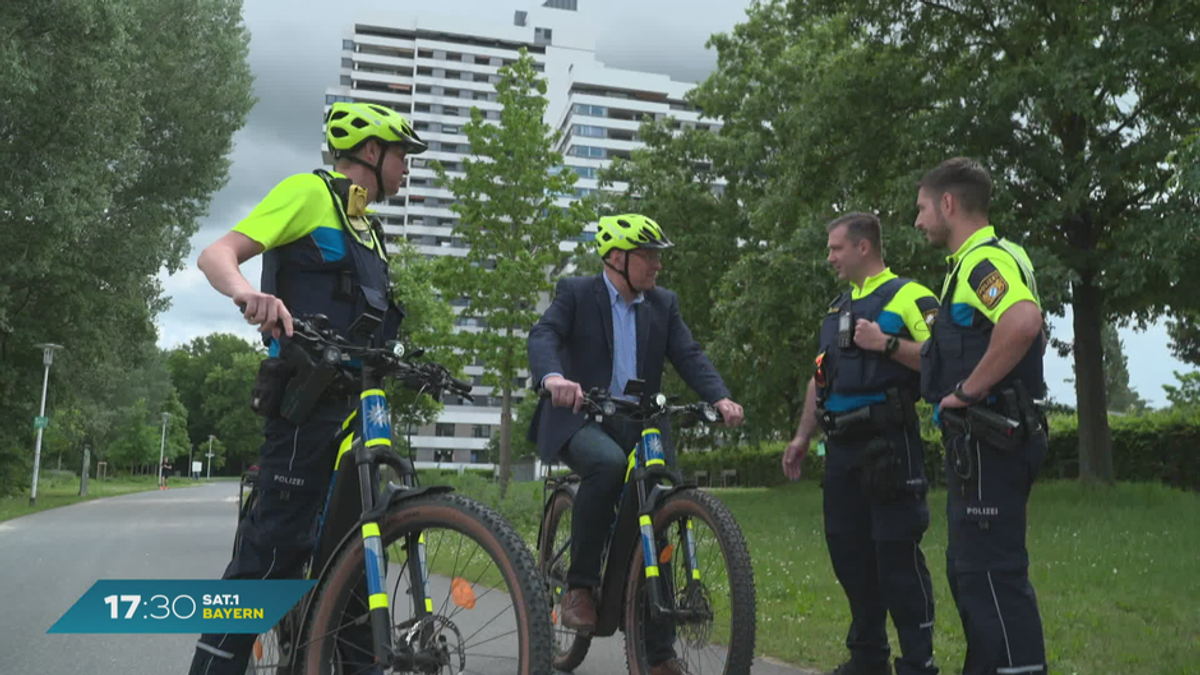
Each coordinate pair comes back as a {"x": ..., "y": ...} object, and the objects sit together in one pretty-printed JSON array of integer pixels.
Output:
[
  {"x": 332, "y": 355},
  {"x": 397, "y": 348},
  {"x": 660, "y": 400},
  {"x": 609, "y": 408},
  {"x": 711, "y": 414}
]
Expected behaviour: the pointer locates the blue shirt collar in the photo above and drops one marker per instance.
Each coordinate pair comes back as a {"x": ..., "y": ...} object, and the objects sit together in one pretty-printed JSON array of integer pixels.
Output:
[{"x": 614, "y": 295}]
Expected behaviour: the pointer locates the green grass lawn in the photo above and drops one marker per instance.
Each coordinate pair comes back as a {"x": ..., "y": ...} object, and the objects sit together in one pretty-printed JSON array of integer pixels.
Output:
[
  {"x": 61, "y": 491},
  {"x": 1116, "y": 571}
]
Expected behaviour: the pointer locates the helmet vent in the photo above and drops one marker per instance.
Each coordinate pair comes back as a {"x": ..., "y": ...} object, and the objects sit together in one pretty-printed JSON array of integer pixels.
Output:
[
  {"x": 338, "y": 132},
  {"x": 381, "y": 111},
  {"x": 359, "y": 123},
  {"x": 337, "y": 114},
  {"x": 625, "y": 224}
]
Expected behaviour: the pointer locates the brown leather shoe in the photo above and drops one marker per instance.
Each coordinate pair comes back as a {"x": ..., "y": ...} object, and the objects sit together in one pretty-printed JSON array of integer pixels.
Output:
[
  {"x": 578, "y": 610},
  {"x": 669, "y": 667}
]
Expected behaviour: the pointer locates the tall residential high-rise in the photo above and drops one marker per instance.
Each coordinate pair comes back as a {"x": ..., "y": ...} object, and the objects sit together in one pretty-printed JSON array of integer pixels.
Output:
[{"x": 434, "y": 69}]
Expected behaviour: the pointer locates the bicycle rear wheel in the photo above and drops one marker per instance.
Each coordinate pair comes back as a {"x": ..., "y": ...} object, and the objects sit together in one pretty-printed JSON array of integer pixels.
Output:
[
  {"x": 718, "y": 636},
  {"x": 554, "y": 559},
  {"x": 488, "y": 610}
]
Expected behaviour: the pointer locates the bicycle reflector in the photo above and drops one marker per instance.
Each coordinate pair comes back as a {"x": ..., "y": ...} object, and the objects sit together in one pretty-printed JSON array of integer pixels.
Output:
[{"x": 462, "y": 593}]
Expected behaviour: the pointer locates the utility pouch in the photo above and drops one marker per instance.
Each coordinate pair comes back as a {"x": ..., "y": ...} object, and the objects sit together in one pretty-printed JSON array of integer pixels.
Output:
[
  {"x": 267, "y": 393},
  {"x": 307, "y": 386}
]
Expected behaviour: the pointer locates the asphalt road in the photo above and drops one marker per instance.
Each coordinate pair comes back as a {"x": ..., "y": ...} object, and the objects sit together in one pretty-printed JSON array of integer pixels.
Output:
[{"x": 49, "y": 559}]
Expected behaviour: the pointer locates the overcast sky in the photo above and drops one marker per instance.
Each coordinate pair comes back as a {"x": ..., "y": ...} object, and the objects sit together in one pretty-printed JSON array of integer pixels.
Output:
[{"x": 294, "y": 55}]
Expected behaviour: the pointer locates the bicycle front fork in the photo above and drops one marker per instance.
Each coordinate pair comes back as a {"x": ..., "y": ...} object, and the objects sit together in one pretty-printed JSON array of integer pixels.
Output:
[{"x": 652, "y": 559}]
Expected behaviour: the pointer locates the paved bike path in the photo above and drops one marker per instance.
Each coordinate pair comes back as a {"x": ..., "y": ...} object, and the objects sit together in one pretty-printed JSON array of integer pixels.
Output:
[{"x": 49, "y": 559}]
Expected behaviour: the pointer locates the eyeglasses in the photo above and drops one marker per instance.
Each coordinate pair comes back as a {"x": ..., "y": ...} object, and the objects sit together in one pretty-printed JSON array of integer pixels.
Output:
[{"x": 649, "y": 255}]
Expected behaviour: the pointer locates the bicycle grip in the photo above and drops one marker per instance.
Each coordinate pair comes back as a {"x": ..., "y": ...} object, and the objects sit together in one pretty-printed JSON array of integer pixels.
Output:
[{"x": 461, "y": 385}]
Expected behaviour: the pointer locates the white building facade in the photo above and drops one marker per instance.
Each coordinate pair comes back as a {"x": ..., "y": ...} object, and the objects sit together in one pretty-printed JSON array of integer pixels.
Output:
[{"x": 433, "y": 70}]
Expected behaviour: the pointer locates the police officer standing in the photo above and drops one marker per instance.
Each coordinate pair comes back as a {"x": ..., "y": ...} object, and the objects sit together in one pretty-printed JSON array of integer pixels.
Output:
[
  {"x": 322, "y": 254},
  {"x": 863, "y": 395},
  {"x": 983, "y": 368}
]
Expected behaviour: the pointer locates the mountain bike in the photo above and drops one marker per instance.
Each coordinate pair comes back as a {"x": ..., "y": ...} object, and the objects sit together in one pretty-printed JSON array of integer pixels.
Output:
[
  {"x": 659, "y": 555},
  {"x": 410, "y": 537}
]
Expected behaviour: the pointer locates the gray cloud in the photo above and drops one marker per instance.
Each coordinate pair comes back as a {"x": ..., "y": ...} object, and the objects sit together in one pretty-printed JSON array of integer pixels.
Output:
[{"x": 294, "y": 56}]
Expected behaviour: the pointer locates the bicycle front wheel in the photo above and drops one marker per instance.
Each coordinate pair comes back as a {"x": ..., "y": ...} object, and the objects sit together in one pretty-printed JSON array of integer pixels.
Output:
[
  {"x": 486, "y": 610},
  {"x": 706, "y": 578}
]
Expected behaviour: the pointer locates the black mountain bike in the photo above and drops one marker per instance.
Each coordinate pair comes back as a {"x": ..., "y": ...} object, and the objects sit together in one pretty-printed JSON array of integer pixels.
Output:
[
  {"x": 659, "y": 560},
  {"x": 454, "y": 566}
]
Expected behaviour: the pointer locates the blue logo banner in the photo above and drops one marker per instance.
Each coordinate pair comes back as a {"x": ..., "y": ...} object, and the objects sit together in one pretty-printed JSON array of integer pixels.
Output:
[{"x": 182, "y": 606}]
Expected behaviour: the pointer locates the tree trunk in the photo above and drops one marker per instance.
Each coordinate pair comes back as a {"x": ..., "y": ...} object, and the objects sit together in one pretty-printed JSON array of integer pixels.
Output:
[
  {"x": 505, "y": 439},
  {"x": 1095, "y": 442}
]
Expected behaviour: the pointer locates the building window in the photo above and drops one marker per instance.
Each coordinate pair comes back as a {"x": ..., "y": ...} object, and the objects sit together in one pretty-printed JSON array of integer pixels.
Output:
[
  {"x": 542, "y": 36},
  {"x": 444, "y": 430},
  {"x": 588, "y": 151},
  {"x": 591, "y": 131},
  {"x": 447, "y": 129},
  {"x": 584, "y": 171},
  {"x": 481, "y": 431},
  {"x": 591, "y": 110},
  {"x": 443, "y": 455},
  {"x": 348, "y": 44}
]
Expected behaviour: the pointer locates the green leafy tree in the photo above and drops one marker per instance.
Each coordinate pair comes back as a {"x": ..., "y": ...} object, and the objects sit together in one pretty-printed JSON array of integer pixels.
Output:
[
  {"x": 190, "y": 366},
  {"x": 831, "y": 106},
  {"x": 1186, "y": 391},
  {"x": 1121, "y": 397},
  {"x": 427, "y": 322},
  {"x": 506, "y": 199},
  {"x": 227, "y": 404},
  {"x": 86, "y": 226},
  {"x": 136, "y": 443},
  {"x": 178, "y": 442}
]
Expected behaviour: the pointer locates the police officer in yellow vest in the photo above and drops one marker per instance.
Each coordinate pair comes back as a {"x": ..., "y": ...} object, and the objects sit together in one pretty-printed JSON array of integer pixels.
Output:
[
  {"x": 863, "y": 395},
  {"x": 983, "y": 369},
  {"x": 322, "y": 254}
]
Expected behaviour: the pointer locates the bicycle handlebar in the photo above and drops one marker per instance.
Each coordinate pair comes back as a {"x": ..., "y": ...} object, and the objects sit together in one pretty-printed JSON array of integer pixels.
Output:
[
  {"x": 315, "y": 335},
  {"x": 599, "y": 401}
]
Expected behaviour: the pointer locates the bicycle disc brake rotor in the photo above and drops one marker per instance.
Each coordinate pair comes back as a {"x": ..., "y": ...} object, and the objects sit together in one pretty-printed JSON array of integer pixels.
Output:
[
  {"x": 436, "y": 648},
  {"x": 695, "y": 598}
]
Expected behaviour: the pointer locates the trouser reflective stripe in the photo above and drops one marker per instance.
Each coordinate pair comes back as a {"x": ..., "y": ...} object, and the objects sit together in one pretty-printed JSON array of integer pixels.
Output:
[
  {"x": 214, "y": 651},
  {"x": 1020, "y": 669}
]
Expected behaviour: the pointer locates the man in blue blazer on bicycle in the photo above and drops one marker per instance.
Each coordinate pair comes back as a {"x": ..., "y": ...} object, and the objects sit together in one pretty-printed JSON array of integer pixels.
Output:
[{"x": 602, "y": 331}]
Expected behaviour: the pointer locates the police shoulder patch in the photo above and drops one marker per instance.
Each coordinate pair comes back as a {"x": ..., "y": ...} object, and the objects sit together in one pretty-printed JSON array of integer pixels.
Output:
[
  {"x": 928, "y": 306},
  {"x": 989, "y": 284}
]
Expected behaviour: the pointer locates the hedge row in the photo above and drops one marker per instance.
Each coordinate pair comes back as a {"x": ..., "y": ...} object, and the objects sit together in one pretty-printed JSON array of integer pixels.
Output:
[{"x": 1161, "y": 446}]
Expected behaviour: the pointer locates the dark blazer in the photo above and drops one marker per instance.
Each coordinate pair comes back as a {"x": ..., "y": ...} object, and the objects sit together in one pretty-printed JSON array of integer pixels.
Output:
[{"x": 575, "y": 337}]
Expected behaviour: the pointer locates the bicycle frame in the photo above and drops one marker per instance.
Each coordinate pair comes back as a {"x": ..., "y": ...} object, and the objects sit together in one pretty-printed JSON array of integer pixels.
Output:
[
  {"x": 635, "y": 515},
  {"x": 355, "y": 478}
]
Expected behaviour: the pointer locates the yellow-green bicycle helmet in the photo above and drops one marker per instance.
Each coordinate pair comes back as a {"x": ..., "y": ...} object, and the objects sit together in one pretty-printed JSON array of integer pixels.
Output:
[
  {"x": 349, "y": 125},
  {"x": 628, "y": 232}
]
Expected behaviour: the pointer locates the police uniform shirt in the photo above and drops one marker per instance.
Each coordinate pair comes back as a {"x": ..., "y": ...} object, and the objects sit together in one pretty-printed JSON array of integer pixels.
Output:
[
  {"x": 911, "y": 309},
  {"x": 989, "y": 279},
  {"x": 300, "y": 207}
]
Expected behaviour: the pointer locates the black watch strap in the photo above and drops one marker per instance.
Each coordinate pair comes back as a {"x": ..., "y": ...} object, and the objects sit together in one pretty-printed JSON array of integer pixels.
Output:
[
  {"x": 963, "y": 396},
  {"x": 893, "y": 345}
]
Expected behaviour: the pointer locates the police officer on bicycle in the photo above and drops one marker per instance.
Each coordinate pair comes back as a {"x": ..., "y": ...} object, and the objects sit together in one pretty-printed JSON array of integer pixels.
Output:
[
  {"x": 983, "y": 368},
  {"x": 602, "y": 331},
  {"x": 322, "y": 254},
  {"x": 863, "y": 396}
]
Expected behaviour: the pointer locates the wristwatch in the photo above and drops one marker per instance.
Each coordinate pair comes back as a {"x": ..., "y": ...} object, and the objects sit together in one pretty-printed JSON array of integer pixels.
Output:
[
  {"x": 893, "y": 344},
  {"x": 962, "y": 395}
]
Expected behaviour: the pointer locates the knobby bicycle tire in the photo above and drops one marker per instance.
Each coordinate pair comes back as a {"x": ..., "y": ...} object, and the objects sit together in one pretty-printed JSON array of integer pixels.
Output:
[
  {"x": 567, "y": 659},
  {"x": 452, "y": 512}
]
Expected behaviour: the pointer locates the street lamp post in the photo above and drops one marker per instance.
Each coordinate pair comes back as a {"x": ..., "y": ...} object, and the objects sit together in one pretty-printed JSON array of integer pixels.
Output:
[
  {"x": 47, "y": 358},
  {"x": 210, "y": 456},
  {"x": 162, "y": 448}
]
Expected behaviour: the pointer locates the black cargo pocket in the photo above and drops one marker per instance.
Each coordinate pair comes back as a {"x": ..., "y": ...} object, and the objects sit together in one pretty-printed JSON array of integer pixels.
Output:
[{"x": 273, "y": 376}]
